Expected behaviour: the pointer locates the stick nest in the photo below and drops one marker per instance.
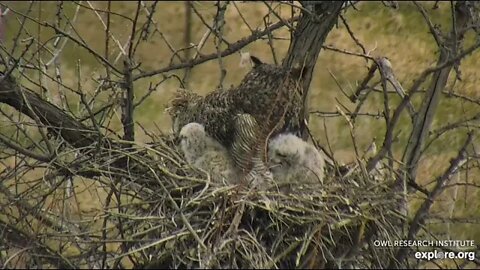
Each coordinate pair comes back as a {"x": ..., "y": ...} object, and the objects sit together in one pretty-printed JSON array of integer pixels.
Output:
[{"x": 186, "y": 220}]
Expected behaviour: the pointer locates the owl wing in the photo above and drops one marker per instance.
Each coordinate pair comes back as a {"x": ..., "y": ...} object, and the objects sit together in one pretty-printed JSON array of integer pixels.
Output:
[
  {"x": 247, "y": 144},
  {"x": 248, "y": 148},
  {"x": 218, "y": 121},
  {"x": 272, "y": 95}
]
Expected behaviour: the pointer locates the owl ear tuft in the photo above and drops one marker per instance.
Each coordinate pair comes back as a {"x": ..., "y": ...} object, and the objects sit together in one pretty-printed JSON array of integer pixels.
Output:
[{"x": 256, "y": 62}]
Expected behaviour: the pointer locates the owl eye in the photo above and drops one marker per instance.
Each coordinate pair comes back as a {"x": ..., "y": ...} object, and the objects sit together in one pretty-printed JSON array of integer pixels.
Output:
[{"x": 281, "y": 155}]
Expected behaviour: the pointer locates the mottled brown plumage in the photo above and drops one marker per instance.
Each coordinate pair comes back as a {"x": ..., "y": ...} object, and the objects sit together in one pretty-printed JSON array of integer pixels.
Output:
[
  {"x": 270, "y": 94},
  {"x": 247, "y": 149}
]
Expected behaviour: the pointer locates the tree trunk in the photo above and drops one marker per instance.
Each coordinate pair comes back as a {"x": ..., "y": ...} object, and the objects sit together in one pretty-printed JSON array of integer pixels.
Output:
[{"x": 309, "y": 36}]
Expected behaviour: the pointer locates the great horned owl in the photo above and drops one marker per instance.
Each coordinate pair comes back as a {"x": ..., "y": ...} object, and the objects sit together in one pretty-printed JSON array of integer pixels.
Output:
[
  {"x": 270, "y": 94},
  {"x": 294, "y": 161},
  {"x": 202, "y": 151}
]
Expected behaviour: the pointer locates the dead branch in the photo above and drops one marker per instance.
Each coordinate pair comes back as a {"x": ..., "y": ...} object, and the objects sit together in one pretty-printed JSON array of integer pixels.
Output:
[
  {"x": 423, "y": 120},
  {"x": 423, "y": 211},
  {"x": 232, "y": 48}
]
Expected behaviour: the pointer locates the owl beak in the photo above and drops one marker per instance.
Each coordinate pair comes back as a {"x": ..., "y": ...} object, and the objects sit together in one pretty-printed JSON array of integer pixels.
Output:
[{"x": 274, "y": 165}]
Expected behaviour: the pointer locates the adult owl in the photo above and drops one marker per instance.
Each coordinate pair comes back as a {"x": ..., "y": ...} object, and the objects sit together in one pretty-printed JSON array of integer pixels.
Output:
[
  {"x": 270, "y": 94},
  {"x": 293, "y": 161},
  {"x": 202, "y": 151}
]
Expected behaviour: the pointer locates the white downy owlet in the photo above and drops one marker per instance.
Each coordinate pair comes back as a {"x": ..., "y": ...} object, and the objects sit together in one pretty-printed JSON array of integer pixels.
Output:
[
  {"x": 294, "y": 161},
  {"x": 203, "y": 152}
]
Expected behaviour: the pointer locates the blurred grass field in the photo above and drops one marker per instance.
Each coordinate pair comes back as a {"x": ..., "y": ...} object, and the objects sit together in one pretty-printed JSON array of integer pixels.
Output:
[{"x": 401, "y": 35}]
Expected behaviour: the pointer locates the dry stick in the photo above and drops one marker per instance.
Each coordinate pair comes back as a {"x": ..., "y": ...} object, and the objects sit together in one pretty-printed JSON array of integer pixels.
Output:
[
  {"x": 422, "y": 123},
  {"x": 422, "y": 212},
  {"x": 387, "y": 72},
  {"x": 56, "y": 120},
  {"x": 108, "y": 34},
  {"x": 232, "y": 48},
  {"x": 59, "y": 50},
  {"x": 187, "y": 38},
  {"x": 83, "y": 45},
  {"x": 270, "y": 36},
  {"x": 270, "y": 43},
  {"x": 43, "y": 218},
  {"x": 351, "y": 130},
  {"x": 343, "y": 51},
  {"x": 102, "y": 11},
  {"x": 328, "y": 155},
  {"x": 87, "y": 107},
  {"x": 145, "y": 30},
  {"x": 23, "y": 150},
  {"x": 182, "y": 216},
  {"x": 350, "y": 32},
  {"x": 131, "y": 48},
  {"x": 436, "y": 133},
  {"x": 152, "y": 88},
  {"x": 127, "y": 106},
  {"x": 165, "y": 40},
  {"x": 414, "y": 89},
  {"x": 69, "y": 230},
  {"x": 212, "y": 29},
  {"x": 197, "y": 47},
  {"x": 271, "y": 10},
  {"x": 363, "y": 84},
  {"x": 218, "y": 26},
  {"x": 188, "y": 29},
  {"x": 7, "y": 261},
  {"x": 20, "y": 30},
  {"x": 242, "y": 17},
  {"x": 352, "y": 115},
  {"x": 120, "y": 225},
  {"x": 23, "y": 239},
  {"x": 39, "y": 123},
  {"x": 452, "y": 204},
  {"x": 337, "y": 82},
  {"x": 19, "y": 126},
  {"x": 431, "y": 27}
]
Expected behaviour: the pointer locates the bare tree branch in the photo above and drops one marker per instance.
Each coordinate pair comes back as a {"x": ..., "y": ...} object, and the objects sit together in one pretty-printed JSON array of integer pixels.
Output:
[
  {"x": 423, "y": 211},
  {"x": 232, "y": 48},
  {"x": 422, "y": 122}
]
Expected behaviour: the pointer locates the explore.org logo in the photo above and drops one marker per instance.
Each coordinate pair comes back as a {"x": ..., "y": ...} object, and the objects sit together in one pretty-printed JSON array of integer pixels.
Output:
[
  {"x": 439, "y": 255},
  {"x": 456, "y": 249},
  {"x": 425, "y": 243}
]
